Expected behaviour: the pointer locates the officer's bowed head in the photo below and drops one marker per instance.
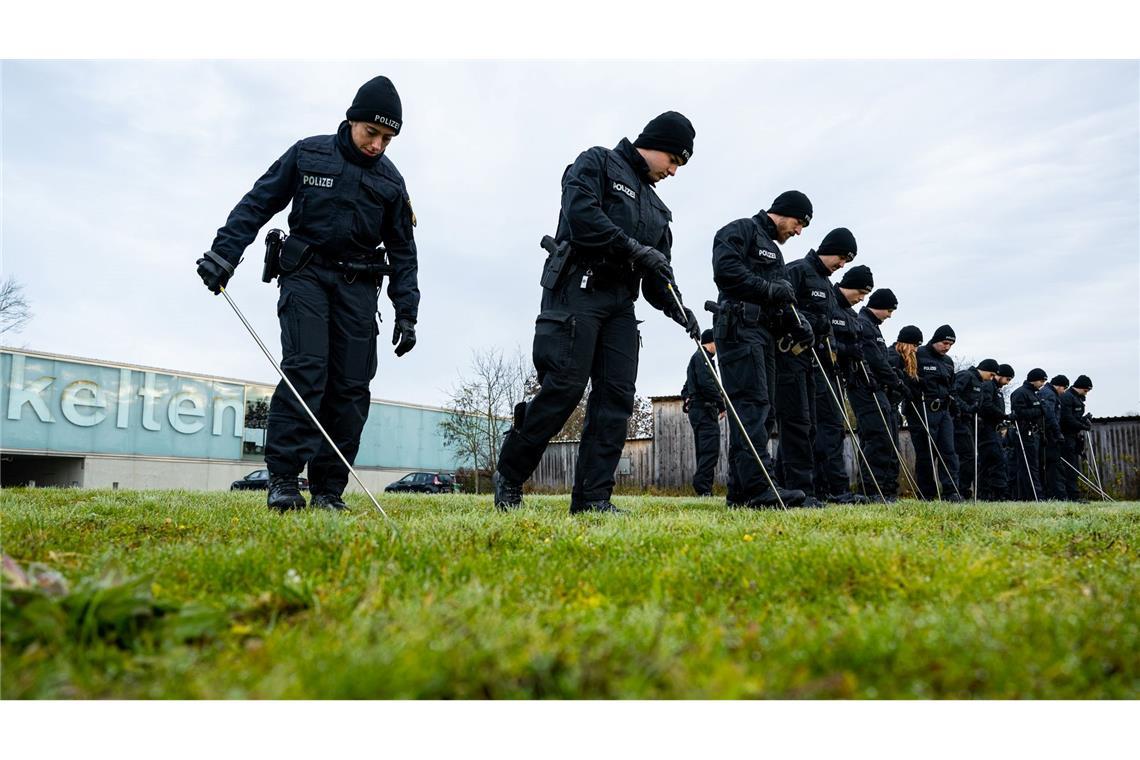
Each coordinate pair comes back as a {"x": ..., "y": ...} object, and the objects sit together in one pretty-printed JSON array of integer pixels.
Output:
[
  {"x": 791, "y": 212},
  {"x": 666, "y": 143}
]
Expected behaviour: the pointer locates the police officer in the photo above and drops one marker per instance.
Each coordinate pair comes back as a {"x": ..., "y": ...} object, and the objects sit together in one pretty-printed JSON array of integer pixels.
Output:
[
  {"x": 1051, "y": 441},
  {"x": 841, "y": 355},
  {"x": 613, "y": 236},
  {"x": 705, "y": 407},
  {"x": 796, "y": 369},
  {"x": 1030, "y": 418},
  {"x": 754, "y": 299},
  {"x": 992, "y": 484},
  {"x": 936, "y": 451},
  {"x": 1074, "y": 427},
  {"x": 873, "y": 377},
  {"x": 903, "y": 358},
  {"x": 347, "y": 199},
  {"x": 967, "y": 394}
]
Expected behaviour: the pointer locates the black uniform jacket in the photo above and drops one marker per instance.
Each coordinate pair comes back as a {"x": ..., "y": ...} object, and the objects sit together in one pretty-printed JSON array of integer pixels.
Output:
[
  {"x": 875, "y": 354},
  {"x": 699, "y": 383},
  {"x": 968, "y": 392},
  {"x": 935, "y": 374},
  {"x": 344, "y": 209},
  {"x": 745, "y": 257},
  {"x": 814, "y": 297},
  {"x": 607, "y": 200},
  {"x": 1025, "y": 406},
  {"x": 1073, "y": 413},
  {"x": 991, "y": 407},
  {"x": 847, "y": 335}
]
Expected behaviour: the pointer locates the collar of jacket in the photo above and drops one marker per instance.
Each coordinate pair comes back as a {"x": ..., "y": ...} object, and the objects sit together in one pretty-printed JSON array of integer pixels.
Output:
[
  {"x": 626, "y": 150},
  {"x": 349, "y": 150},
  {"x": 866, "y": 312},
  {"x": 767, "y": 224},
  {"x": 816, "y": 262}
]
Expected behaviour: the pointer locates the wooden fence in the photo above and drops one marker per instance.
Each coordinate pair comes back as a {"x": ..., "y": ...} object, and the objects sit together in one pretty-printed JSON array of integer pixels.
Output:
[{"x": 666, "y": 462}]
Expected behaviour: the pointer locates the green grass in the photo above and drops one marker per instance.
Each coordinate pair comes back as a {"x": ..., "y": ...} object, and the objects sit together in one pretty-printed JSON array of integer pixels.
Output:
[{"x": 193, "y": 595}]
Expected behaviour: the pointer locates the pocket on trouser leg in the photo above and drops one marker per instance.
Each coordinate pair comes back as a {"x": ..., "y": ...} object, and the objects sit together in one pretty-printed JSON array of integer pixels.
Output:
[
  {"x": 360, "y": 358},
  {"x": 738, "y": 370},
  {"x": 553, "y": 342}
]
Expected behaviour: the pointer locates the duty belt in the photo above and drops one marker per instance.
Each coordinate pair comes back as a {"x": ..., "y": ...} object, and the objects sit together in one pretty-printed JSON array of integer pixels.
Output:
[{"x": 936, "y": 404}]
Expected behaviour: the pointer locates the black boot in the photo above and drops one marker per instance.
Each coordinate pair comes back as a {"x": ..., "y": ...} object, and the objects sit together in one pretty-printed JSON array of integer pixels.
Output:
[
  {"x": 508, "y": 495},
  {"x": 604, "y": 505},
  {"x": 768, "y": 500},
  {"x": 329, "y": 501},
  {"x": 810, "y": 502},
  {"x": 283, "y": 493}
]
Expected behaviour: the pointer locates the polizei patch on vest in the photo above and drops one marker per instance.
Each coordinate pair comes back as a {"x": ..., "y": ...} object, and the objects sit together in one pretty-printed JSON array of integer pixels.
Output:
[
  {"x": 818, "y": 294},
  {"x": 766, "y": 254},
  {"x": 623, "y": 189},
  {"x": 316, "y": 180}
]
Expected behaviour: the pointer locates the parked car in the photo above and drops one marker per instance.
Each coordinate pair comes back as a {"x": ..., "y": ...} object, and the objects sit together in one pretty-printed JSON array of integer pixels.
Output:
[
  {"x": 258, "y": 480},
  {"x": 424, "y": 482}
]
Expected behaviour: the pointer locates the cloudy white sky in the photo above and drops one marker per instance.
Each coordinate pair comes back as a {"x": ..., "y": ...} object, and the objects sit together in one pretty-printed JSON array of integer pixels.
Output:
[{"x": 1002, "y": 198}]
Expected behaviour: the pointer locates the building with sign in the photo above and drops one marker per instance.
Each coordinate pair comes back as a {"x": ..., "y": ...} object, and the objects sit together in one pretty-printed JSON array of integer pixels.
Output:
[{"x": 69, "y": 421}]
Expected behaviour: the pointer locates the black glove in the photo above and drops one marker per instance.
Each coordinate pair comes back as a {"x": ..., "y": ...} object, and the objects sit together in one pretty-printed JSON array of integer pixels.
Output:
[
  {"x": 404, "y": 336},
  {"x": 650, "y": 260},
  {"x": 687, "y": 319},
  {"x": 778, "y": 292},
  {"x": 686, "y": 405},
  {"x": 213, "y": 274},
  {"x": 802, "y": 334}
]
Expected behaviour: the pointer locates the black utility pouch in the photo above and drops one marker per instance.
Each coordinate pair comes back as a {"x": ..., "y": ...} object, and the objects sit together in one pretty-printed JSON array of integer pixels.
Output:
[
  {"x": 295, "y": 253},
  {"x": 556, "y": 263}
]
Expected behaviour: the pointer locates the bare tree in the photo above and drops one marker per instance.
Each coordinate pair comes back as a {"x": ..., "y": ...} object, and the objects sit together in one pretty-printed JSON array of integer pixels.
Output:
[
  {"x": 640, "y": 422},
  {"x": 15, "y": 311},
  {"x": 480, "y": 406}
]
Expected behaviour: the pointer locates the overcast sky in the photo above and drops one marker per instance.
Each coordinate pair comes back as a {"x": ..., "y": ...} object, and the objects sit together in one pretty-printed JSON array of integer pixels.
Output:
[{"x": 1002, "y": 198}]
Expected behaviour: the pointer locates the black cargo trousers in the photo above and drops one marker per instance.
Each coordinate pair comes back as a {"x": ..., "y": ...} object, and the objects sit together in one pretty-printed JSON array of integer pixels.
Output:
[
  {"x": 876, "y": 432},
  {"x": 747, "y": 356},
  {"x": 705, "y": 419},
  {"x": 795, "y": 413},
  {"x": 328, "y": 352},
  {"x": 941, "y": 461},
  {"x": 831, "y": 478},
  {"x": 581, "y": 334}
]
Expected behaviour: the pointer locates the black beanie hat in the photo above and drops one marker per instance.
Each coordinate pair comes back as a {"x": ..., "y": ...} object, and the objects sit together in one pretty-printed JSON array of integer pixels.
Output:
[
  {"x": 858, "y": 278},
  {"x": 944, "y": 332},
  {"x": 707, "y": 337},
  {"x": 1083, "y": 382},
  {"x": 910, "y": 334},
  {"x": 1060, "y": 380},
  {"x": 988, "y": 365},
  {"x": 883, "y": 298},
  {"x": 1006, "y": 371},
  {"x": 795, "y": 204},
  {"x": 1036, "y": 374},
  {"x": 670, "y": 132},
  {"x": 378, "y": 102},
  {"x": 838, "y": 242}
]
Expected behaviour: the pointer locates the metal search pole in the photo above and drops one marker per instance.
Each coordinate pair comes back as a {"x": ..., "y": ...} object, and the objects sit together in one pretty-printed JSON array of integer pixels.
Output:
[
  {"x": 305, "y": 406},
  {"x": 1092, "y": 458},
  {"x": 731, "y": 408},
  {"x": 929, "y": 448},
  {"x": 975, "y": 457},
  {"x": 889, "y": 431},
  {"x": 1025, "y": 457},
  {"x": 842, "y": 411},
  {"x": 1088, "y": 481}
]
